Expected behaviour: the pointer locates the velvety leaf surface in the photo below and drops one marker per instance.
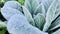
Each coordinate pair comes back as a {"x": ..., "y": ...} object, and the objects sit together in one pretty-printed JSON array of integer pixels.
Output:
[
  {"x": 40, "y": 9},
  {"x": 46, "y": 3},
  {"x": 50, "y": 16},
  {"x": 7, "y": 12},
  {"x": 31, "y": 5},
  {"x": 13, "y": 4},
  {"x": 28, "y": 15},
  {"x": 20, "y": 25},
  {"x": 39, "y": 21}
]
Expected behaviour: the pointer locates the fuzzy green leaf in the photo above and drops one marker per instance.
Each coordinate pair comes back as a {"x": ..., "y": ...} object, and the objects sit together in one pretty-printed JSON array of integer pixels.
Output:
[
  {"x": 31, "y": 5},
  {"x": 40, "y": 9},
  {"x": 28, "y": 15},
  {"x": 57, "y": 21},
  {"x": 50, "y": 16},
  {"x": 46, "y": 3},
  {"x": 39, "y": 21}
]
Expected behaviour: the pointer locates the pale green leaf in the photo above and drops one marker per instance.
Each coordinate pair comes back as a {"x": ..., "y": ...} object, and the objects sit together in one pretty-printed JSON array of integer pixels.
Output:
[
  {"x": 46, "y": 3},
  {"x": 56, "y": 22},
  {"x": 40, "y": 9},
  {"x": 57, "y": 13},
  {"x": 39, "y": 21},
  {"x": 50, "y": 16},
  {"x": 31, "y": 5},
  {"x": 28, "y": 15},
  {"x": 57, "y": 18}
]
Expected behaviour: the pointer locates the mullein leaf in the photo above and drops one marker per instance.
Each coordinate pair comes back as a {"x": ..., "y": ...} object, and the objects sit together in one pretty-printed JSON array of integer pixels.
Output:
[
  {"x": 39, "y": 21},
  {"x": 50, "y": 15},
  {"x": 28, "y": 15},
  {"x": 40, "y": 9},
  {"x": 20, "y": 25}
]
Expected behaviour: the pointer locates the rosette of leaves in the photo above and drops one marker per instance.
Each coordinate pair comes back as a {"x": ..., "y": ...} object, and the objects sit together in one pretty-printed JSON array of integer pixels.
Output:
[{"x": 33, "y": 18}]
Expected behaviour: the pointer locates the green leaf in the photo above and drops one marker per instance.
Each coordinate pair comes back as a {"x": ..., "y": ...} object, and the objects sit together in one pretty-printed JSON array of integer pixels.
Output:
[
  {"x": 1, "y": 3},
  {"x": 2, "y": 24},
  {"x": 50, "y": 16},
  {"x": 2, "y": 27},
  {"x": 40, "y": 9},
  {"x": 56, "y": 21},
  {"x": 7, "y": 12},
  {"x": 9, "y": 0},
  {"x": 2, "y": 32},
  {"x": 28, "y": 15},
  {"x": 20, "y": 25},
  {"x": 21, "y": 1},
  {"x": 57, "y": 32},
  {"x": 39, "y": 21},
  {"x": 31, "y": 5}
]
